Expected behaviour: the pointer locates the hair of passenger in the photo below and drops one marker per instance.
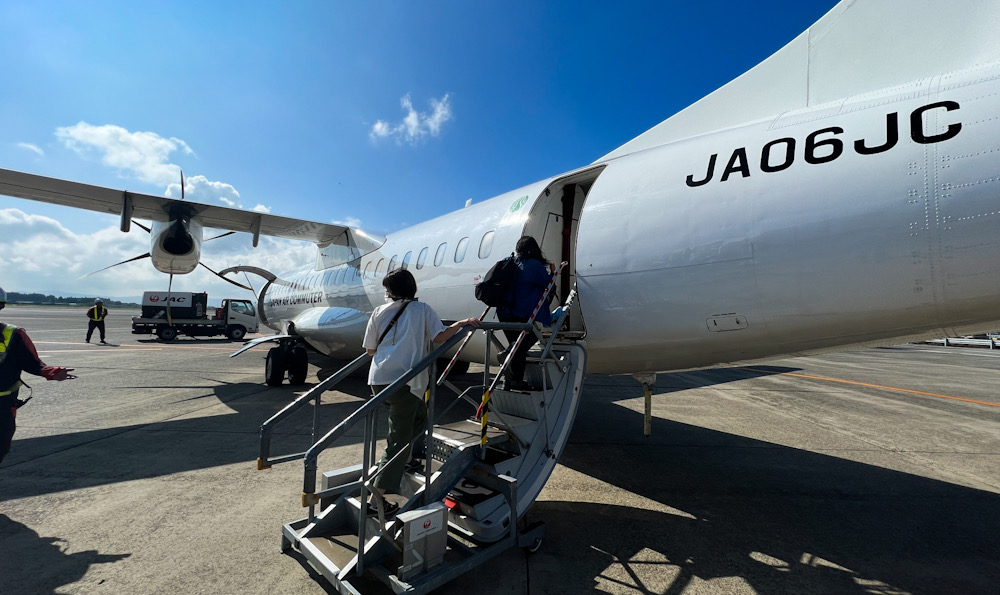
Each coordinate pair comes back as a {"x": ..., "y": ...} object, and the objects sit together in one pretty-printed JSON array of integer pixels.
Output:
[
  {"x": 400, "y": 284},
  {"x": 527, "y": 249}
]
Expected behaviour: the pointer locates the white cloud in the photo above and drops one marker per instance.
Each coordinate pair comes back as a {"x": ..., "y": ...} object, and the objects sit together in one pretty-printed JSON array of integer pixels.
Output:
[
  {"x": 201, "y": 189},
  {"x": 348, "y": 221},
  {"x": 415, "y": 125},
  {"x": 138, "y": 154},
  {"x": 145, "y": 156},
  {"x": 33, "y": 148}
]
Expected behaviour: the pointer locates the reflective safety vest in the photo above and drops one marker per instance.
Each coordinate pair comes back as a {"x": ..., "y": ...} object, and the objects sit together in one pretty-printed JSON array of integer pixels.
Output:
[
  {"x": 8, "y": 333},
  {"x": 99, "y": 312}
]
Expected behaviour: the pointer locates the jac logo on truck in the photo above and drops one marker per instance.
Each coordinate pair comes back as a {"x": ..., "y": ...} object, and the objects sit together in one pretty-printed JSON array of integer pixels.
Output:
[{"x": 174, "y": 299}]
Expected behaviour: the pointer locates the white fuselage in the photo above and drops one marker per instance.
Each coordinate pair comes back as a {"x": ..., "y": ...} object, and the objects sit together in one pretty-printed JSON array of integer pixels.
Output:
[{"x": 872, "y": 219}]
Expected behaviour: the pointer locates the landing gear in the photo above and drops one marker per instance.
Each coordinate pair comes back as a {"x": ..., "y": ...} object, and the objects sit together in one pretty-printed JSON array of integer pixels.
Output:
[
  {"x": 534, "y": 546},
  {"x": 298, "y": 365},
  {"x": 274, "y": 366},
  {"x": 289, "y": 358}
]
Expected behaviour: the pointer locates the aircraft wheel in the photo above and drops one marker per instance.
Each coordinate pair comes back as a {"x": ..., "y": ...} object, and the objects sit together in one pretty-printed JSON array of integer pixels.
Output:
[
  {"x": 298, "y": 368},
  {"x": 534, "y": 547},
  {"x": 274, "y": 366},
  {"x": 166, "y": 333},
  {"x": 236, "y": 333}
]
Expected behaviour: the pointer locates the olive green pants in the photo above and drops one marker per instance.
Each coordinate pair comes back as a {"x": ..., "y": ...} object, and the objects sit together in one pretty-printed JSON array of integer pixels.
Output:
[{"x": 407, "y": 419}]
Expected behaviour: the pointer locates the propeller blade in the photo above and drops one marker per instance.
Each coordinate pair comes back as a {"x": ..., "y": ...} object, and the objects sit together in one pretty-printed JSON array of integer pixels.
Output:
[
  {"x": 141, "y": 256},
  {"x": 148, "y": 230},
  {"x": 226, "y": 279},
  {"x": 228, "y": 233},
  {"x": 247, "y": 277},
  {"x": 182, "y": 184}
]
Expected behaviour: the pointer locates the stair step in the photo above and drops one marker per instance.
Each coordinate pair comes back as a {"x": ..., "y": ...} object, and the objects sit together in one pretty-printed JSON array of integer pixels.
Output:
[
  {"x": 467, "y": 432},
  {"x": 526, "y": 405},
  {"x": 339, "y": 547}
]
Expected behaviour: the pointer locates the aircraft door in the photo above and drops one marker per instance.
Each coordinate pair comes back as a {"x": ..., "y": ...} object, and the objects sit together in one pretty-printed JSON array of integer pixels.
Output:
[{"x": 553, "y": 222}]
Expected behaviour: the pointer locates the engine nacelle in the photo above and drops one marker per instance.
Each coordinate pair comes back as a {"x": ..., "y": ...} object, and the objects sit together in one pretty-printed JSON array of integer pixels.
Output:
[{"x": 176, "y": 245}]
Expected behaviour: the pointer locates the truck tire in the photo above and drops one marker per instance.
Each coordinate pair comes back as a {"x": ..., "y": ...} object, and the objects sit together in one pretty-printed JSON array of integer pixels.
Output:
[
  {"x": 166, "y": 333},
  {"x": 236, "y": 333},
  {"x": 298, "y": 367},
  {"x": 274, "y": 366}
]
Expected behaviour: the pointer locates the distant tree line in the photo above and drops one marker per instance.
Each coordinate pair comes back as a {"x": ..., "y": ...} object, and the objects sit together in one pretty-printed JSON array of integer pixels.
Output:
[{"x": 51, "y": 300}]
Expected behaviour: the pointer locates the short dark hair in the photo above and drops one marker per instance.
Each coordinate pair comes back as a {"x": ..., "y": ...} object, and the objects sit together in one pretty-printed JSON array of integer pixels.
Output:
[{"x": 400, "y": 284}]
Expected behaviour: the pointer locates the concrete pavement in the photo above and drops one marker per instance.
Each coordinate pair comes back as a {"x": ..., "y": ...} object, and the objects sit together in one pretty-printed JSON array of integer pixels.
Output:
[{"x": 867, "y": 471}]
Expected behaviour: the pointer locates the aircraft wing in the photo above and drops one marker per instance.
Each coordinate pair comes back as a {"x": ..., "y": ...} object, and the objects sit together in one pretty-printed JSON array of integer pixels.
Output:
[{"x": 158, "y": 208}]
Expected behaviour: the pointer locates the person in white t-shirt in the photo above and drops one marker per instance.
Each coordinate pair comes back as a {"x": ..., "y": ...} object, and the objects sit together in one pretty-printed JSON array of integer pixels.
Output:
[{"x": 398, "y": 335}]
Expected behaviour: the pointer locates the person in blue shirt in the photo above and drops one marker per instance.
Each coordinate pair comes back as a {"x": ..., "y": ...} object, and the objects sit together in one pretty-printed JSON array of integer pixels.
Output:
[{"x": 521, "y": 300}]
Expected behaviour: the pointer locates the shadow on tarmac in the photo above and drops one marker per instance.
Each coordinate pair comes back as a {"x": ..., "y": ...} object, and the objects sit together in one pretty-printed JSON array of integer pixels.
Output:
[
  {"x": 784, "y": 520},
  {"x": 42, "y": 562},
  {"x": 780, "y": 518},
  {"x": 126, "y": 453}
]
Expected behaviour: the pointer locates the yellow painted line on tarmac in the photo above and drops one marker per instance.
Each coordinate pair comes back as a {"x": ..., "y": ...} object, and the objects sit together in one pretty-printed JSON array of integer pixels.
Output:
[
  {"x": 113, "y": 347},
  {"x": 891, "y": 388},
  {"x": 92, "y": 349}
]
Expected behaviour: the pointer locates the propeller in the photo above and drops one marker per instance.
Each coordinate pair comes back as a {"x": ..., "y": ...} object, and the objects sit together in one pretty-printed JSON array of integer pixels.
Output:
[
  {"x": 227, "y": 279},
  {"x": 149, "y": 254},
  {"x": 141, "y": 256}
]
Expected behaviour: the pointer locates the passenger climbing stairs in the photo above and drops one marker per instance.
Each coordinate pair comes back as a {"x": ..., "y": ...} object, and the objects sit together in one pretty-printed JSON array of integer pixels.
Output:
[{"x": 467, "y": 501}]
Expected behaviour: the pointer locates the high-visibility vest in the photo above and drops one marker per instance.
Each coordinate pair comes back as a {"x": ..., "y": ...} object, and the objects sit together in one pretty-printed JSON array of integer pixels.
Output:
[
  {"x": 99, "y": 312},
  {"x": 8, "y": 332}
]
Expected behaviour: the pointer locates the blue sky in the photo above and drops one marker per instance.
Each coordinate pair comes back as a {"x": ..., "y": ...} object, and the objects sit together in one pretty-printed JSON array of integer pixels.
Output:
[{"x": 377, "y": 114}]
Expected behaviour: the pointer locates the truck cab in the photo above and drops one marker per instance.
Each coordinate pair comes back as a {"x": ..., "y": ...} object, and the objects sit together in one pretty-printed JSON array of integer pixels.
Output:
[{"x": 240, "y": 317}]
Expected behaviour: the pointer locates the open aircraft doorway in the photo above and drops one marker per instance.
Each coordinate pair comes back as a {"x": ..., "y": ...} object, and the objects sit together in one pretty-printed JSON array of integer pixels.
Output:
[{"x": 554, "y": 222}]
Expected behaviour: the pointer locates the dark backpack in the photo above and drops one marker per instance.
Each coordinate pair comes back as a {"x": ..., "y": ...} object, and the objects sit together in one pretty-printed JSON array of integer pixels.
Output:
[{"x": 495, "y": 286}]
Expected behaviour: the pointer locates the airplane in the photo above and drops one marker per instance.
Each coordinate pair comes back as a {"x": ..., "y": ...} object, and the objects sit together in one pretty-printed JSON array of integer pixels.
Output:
[{"x": 844, "y": 192}]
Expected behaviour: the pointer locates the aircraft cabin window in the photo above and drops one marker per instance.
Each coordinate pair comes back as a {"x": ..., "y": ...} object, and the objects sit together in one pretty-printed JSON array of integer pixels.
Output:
[
  {"x": 439, "y": 255},
  {"x": 486, "y": 245},
  {"x": 392, "y": 263},
  {"x": 463, "y": 245},
  {"x": 406, "y": 260},
  {"x": 421, "y": 259}
]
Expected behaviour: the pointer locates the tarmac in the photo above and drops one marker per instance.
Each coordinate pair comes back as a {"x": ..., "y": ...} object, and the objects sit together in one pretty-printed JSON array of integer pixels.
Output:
[{"x": 870, "y": 471}]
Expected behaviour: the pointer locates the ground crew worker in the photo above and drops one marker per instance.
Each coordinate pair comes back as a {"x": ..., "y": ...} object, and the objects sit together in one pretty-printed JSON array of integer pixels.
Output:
[
  {"x": 17, "y": 354},
  {"x": 96, "y": 316}
]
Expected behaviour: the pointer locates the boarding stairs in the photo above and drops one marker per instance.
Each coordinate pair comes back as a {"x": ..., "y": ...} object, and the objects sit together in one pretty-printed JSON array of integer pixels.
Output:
[{"x": 479, "y": 477}]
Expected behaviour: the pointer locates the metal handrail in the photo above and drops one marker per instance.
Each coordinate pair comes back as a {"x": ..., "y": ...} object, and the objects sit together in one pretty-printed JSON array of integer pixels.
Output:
[
  {"x": 264, "y": 460},
  {"x": 311, "y": 456}
]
